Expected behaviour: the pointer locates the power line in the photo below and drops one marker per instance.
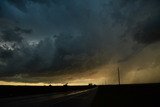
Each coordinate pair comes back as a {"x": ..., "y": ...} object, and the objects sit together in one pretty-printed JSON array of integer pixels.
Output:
[{"x": 119, "y": 81}]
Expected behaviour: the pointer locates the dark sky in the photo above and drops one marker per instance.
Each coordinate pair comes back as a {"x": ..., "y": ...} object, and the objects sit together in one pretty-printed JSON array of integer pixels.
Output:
[{"x": 79, "y": 41}]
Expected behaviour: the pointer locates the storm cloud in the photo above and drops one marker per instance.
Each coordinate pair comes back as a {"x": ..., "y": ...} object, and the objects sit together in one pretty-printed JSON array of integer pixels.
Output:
[
  {"x": 53, "y": 38},
  {"x": 13, "y": 34}
]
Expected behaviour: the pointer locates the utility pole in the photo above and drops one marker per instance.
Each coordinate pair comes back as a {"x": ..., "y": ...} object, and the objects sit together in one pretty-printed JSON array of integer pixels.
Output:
[{"x": 119, "y": 81}]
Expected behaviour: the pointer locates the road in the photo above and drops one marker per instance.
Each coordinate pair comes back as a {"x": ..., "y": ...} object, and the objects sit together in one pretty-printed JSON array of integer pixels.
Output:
[{"x": 74, "y": 99}]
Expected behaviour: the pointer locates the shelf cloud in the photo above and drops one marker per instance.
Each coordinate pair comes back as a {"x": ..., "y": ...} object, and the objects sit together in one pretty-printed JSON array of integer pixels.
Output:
[{"x": 63, "y": 40}]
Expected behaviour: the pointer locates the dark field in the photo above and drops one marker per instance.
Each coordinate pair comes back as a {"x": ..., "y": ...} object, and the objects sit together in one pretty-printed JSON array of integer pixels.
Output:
[
  {"x": 146, "y": 95},
  {"x": 15, "y": 91}
]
